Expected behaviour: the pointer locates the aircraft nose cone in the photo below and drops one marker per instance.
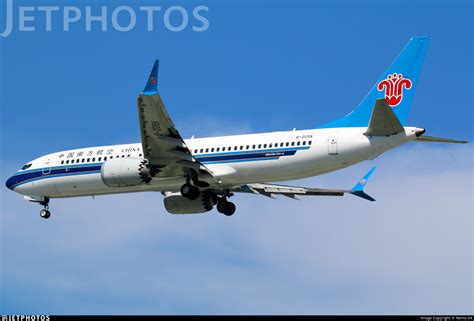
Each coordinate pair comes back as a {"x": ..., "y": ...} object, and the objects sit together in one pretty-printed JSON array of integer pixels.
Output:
[{"x": 10, "y": 182}]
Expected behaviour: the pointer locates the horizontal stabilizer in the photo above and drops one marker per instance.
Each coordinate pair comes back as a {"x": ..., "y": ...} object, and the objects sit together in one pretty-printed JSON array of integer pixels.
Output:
[
  {"x": 383, "y": 121},
  {"x": 432, "y": 139}
]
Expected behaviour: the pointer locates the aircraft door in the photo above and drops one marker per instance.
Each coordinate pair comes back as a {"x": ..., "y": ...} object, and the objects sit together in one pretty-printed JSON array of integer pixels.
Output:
[
  {"x": 332, "y": 143},
  {"x": 47, "y": 166}
]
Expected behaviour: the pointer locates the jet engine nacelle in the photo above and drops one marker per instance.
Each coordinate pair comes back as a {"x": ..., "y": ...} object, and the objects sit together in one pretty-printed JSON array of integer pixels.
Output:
[
  {"x": 121, "y": 172},
  {"x": 177, "y": 204}
]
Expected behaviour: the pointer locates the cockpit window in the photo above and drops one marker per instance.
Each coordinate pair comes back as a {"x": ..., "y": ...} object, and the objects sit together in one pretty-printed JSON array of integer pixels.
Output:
[{"x": 26, "y": 166}]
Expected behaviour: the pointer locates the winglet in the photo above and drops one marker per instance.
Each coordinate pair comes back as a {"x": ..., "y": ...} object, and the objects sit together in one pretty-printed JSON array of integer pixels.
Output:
[
  {"x": 152, "y": 84},
  {"x": 358, "y": 189}
]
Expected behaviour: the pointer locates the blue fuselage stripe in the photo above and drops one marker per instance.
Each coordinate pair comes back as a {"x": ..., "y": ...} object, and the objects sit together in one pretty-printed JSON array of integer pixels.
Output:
[
  {"x": 254, "y": 155},
  {"x": 240, "y": 160},
  {"x": 23, "y": 178},
  {"x": 79, "y": 169},
  {"x": 272, "y": 150}
]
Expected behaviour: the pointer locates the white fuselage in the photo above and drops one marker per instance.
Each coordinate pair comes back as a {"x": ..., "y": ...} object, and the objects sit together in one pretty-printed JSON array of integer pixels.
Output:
[{"x": 234, "y": 160}]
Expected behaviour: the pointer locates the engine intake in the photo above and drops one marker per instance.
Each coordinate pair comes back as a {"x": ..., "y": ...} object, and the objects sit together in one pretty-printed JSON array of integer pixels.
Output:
[
  {"x": 121, "y": 172},
  {"x": 177, "y": 204}
]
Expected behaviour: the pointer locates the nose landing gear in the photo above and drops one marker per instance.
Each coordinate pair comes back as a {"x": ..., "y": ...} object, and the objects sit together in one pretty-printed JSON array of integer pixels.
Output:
[
  {"x": 43, "y": 201},
  {"x": 45, "y": 213}
]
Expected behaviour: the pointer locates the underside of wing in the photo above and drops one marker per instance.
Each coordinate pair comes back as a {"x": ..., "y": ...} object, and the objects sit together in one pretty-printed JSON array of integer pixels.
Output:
[
  {"x": 270, "y": 190},
  {"x": 163, "y": 146},
  {"x": 290, "y": 191}
]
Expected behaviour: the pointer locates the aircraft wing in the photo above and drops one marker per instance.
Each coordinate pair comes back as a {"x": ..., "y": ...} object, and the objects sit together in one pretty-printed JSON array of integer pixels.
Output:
[
  {"x": 163, "y": 146},
  {"x": 293, "y": 191}
]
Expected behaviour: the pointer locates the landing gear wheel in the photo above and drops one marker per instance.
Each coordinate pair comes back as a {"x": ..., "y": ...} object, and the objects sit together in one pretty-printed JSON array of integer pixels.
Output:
[
  {"x": 189, "y": 191},
  {"x": 45, "y": 213},
  {"x": 225, "y": 207},
  {"x": 230, "y": 209}
]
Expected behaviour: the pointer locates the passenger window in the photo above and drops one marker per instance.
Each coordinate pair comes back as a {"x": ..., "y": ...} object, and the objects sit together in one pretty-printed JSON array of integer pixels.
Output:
[
  {"x": 298, "y": 143},
  {"x": 287, "y": 144},
  {"x": 259, "y": 145},
  {"x": 235, "y": 147},
  {"x": 128, "y": 155},
  {"x": 93, "y": 159},
  {"x": 140, "y": 155},
  {"x": 304, "y": 142},
  {"x": 67, "y": 162},
  {"x": 201, "y": 151},
  {"x": 281, "y": 144},
  {"x": 292, "y": 143},
  {"x": 218, "y": 149},
  {"x": 105, "y": 158},
  {"x": 212, "y": 150},
  {"x": 247, "y": 147},
  {"x": 88, "y": 160},
  {"x": 264, "y": 145},
  {"x": 253, "y": 146},
  {"x": 270, "y": 145},
  {"x": 241, "y": 147},
  {"x": 62, "y": 162},
  {"x": 309, "y": 143},
  {"x": 100, "y": 158},
  {"x": 83, "y": 160}
]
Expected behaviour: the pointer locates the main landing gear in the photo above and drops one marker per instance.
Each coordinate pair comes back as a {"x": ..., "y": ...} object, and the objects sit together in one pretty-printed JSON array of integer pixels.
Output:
[
  {"x": 189, "y": 191},
  {"x": 225, "y": 207}
]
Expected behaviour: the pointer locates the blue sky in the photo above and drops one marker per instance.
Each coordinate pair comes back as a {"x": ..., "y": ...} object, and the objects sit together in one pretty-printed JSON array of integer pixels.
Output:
[{"x": 261, "y": 66}]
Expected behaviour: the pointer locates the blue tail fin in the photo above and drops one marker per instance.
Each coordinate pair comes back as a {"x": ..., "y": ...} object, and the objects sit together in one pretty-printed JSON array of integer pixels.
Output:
[{"x": 397, "y": 85}]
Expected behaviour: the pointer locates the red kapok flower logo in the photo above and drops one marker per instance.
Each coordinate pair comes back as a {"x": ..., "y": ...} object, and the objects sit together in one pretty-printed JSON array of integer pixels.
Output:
[{"x": 394, "y": 85}]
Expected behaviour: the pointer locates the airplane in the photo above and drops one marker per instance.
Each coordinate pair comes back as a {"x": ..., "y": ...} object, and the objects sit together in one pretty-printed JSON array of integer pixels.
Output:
[{"x": 195, "y": 175}]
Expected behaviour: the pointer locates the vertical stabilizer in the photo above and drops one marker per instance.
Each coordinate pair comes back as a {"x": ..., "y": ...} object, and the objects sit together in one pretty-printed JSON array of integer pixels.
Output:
[{"x": 397, "y": 85}]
